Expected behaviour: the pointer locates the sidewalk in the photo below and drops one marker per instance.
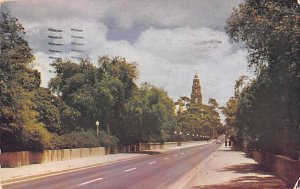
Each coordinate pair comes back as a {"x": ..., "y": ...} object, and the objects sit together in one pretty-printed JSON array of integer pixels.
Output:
[
  {"x": 228, "y": 169},
  {"x": 9, "y": 175}
]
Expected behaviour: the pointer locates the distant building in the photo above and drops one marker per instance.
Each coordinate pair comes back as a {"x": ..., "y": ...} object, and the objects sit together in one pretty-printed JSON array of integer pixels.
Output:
[{"x": 196, "y": 96}]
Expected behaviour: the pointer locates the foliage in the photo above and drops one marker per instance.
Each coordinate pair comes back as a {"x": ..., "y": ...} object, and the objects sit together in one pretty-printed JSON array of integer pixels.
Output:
[
  {"x": 150, "y": 116},
  {"x": 19, "y": 126},
  {"x": 198, "y": 119},
  {"x": 79, "y": 139},
  {"x": 48, "y": 107},
  {"x": 94, "y": 93},
  {"x": 108, "y": 140},
  {"x": 109, "y": 94},
  {"x": 268, "y": 110}
]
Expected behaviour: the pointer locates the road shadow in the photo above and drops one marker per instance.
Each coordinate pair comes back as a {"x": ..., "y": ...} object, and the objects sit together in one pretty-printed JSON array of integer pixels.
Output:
[
  {"x": 246, "y": 168},
  {"x": 261, "y": 181}
]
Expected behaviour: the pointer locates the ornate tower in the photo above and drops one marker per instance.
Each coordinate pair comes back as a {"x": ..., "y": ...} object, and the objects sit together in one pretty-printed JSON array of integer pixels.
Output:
[{"x": 196, "y": 96}]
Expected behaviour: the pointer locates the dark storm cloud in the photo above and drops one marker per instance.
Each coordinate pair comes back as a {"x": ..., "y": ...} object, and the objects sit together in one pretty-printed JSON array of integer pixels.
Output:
[{"x": 125, "y": 18}]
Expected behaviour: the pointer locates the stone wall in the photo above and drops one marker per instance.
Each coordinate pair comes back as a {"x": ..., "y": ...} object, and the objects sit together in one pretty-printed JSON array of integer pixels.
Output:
[
  {"x": 15, "y": 159},
  {"x": 284, "y": 167}
]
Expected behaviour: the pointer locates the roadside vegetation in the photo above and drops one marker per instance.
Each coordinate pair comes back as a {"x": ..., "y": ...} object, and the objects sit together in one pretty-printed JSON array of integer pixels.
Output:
[{"x": 265, "y": 112}]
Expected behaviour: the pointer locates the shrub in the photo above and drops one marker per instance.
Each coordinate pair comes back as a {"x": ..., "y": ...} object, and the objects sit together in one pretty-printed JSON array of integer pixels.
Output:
[
  {"x": 107, "y": 140},
  {"x": 81, "y": 139}
]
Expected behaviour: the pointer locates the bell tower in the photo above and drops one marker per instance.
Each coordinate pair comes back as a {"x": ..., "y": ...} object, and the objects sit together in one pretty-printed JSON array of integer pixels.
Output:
[{"x": 196, "y": 96}]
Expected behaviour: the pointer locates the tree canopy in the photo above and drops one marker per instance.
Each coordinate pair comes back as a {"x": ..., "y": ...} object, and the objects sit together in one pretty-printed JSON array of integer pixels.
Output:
[
  {"x": 268, "y": 109},
  {"x": 197, "y": 120},
  {"x": 36, "y": 118},
  {"x": 18, "y": 86}
]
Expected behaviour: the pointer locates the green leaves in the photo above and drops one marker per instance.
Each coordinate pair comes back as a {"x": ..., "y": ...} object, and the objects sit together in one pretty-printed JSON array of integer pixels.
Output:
[
  {"x": 198, "y": 119},
  {"x": 268, "y": 109},
  {"x": 108, "y": 93},
  {"x": 149, "y": 116}
]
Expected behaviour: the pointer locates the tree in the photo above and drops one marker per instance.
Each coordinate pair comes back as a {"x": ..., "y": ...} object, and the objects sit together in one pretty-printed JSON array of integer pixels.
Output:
[
  {"x": 150, "y": 116},
  {"x": 269, "y": 105},
  {"x": 198, "y": 119},
  {"x": 19, "y": 125},
  {"x": 95, "y": 93},
  {"x": 48, "y": 107}
]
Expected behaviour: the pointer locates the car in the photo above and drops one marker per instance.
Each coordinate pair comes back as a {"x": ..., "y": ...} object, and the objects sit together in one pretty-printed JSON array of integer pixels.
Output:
[{"x": 218, "y": 142}]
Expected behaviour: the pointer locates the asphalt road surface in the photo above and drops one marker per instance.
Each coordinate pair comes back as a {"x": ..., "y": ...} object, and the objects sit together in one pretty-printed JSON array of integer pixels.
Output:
[{"x": 150, "y": 172}]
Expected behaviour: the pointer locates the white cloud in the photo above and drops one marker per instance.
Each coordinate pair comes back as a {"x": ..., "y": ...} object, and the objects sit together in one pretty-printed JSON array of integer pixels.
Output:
[
  {"x": 186, "y": 51},
  {"x": 179, "y": 40}
]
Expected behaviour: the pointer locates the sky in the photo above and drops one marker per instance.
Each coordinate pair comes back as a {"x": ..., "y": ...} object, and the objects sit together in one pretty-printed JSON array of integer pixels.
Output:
[{"x": 170, "y": 40}]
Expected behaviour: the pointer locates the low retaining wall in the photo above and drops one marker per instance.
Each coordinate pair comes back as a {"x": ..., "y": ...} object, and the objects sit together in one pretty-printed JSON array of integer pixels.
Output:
[
  {"x": 15, "y": 159},
  {"x": 147, "y": 146},
  {"x": 284, "y": 167}
]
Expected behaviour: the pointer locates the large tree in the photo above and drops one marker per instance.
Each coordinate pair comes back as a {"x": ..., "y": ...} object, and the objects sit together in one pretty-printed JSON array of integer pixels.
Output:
[
  {"x": 150, "y": 116},
  {"x": 268, "y": 111},
  {"x": 94, "y": 93},
  {"x": 20, "y": 127}
]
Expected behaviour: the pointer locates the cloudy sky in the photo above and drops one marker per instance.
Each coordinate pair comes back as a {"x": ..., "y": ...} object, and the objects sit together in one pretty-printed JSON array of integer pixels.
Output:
[{"x": 170, "y": 40}]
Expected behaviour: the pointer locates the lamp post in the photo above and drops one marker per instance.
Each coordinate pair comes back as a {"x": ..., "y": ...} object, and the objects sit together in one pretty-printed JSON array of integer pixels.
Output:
[
  {"x": 180, "y": 134},
  {"x": 97, "y": 127}
]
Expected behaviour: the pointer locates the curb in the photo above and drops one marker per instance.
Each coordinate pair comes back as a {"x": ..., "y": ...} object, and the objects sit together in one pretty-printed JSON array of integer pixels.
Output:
[
  {"x": 185, "y": 180},
  {"x": 149, "y": 152},
  {"x": 43, "y": 175}
]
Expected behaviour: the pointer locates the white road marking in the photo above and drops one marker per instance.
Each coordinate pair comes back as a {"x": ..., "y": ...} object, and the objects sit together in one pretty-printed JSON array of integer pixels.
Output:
[
  {"x": 152, "y": 162},
  {"x": 130, "y": 169},
  {"x": 84, "y": 183},
  {"x": 175, "y": 155},
  {"x": 182, "y": 153},
  {"x": 166, "y": 158}
]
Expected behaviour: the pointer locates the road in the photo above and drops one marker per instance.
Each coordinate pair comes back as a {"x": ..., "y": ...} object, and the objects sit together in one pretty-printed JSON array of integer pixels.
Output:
[{"x": 150, "y": 172}]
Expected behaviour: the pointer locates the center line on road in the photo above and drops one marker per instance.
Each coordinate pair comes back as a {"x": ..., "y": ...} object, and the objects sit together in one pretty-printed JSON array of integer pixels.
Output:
[
  {"x": 84, "y": 183},
  {"x": 166, "y": 158},
  {"x": 152, "y": 162},
  {"x": 175, "y": 155},
  {"x": 130, "y": 169},
  {"x": 182, "y": 153}
]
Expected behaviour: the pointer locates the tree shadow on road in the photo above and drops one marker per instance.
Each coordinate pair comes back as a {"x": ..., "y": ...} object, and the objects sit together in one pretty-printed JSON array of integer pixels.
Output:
[{"x": 261, "y": 181}]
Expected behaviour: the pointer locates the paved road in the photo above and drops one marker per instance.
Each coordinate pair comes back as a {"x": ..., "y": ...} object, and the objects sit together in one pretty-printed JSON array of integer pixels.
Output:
[{"x": 150, "y": 172}]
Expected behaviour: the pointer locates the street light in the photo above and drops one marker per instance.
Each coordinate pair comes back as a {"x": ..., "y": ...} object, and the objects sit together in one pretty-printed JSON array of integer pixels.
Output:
[
  {"x": 175, "y": 136},
  {"x": 97, "y": 127},
  {"x": 179, "y": 142}
]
